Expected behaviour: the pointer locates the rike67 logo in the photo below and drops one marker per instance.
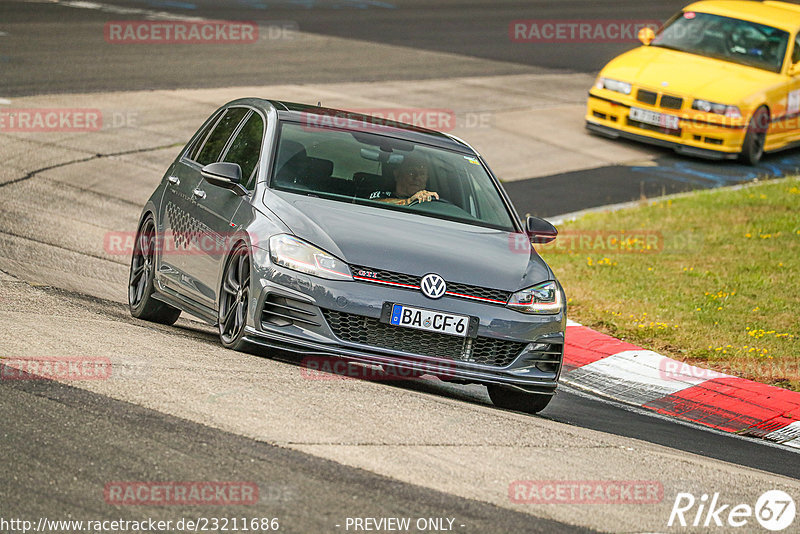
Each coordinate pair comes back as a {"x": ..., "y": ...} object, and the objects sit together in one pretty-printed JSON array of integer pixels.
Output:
[{"x": 774, "y": 510}]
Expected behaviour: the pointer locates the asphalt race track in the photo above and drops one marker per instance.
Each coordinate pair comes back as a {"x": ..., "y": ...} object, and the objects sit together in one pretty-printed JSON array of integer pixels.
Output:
[{"x": 320, "y": 451}]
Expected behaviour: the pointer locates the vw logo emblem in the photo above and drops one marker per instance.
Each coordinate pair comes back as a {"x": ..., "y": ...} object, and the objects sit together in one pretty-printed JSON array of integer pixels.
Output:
[{"x": 433, "y": 286}]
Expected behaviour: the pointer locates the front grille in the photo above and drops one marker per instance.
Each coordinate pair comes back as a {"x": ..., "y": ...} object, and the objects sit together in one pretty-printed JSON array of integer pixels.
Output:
[
  {"x": 478, "y": 292},
  {"x": 369, "y": 331},
  {"x": 671, "y": 102},
  {"x": 379, "y": 275},
  {"x": 648, "y": 97},
  {"x": 408, "y": 281}
]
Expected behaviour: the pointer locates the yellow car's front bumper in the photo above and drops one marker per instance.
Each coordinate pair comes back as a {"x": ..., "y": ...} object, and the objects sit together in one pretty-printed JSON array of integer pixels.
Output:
[{"x": 696, "y": 135}]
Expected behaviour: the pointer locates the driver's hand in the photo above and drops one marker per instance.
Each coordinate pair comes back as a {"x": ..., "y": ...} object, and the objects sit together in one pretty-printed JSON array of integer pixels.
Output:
[{"x": 422, "y": 196}]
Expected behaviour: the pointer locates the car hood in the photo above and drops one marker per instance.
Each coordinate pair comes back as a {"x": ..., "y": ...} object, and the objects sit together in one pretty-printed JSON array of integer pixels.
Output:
[
  {"x": 689, "y": 75},
  {"x": 412, "y": 244}
]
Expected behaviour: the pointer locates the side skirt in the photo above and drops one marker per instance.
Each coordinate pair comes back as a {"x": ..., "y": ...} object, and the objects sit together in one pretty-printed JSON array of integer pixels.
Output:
[{"x": 173, "y": 298}]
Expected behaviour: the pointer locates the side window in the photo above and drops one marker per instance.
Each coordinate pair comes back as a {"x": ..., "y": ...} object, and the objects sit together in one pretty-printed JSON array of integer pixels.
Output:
[
  {"x": 246, "y": 148},
  {"x": 219, "y": 137},
  {"x": 198, "y": 142},
  {"x": 796, "y": 50}
]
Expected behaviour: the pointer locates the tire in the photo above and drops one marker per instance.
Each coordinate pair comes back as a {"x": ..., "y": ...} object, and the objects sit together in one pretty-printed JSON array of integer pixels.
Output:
[
  {"x": 513, "y": 399},
  {"x": 234, "y": 299},
  {"x": 753, "y": 145},
  {"x": 141, "y": 303}
]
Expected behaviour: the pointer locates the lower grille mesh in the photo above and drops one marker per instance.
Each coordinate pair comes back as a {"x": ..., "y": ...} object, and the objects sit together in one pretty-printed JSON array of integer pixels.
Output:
[{"x": 369, "y": 331}]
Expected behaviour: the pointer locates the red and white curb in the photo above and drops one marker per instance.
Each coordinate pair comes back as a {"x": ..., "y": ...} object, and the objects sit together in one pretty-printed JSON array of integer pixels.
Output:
[{"x": 629, "y": 374}]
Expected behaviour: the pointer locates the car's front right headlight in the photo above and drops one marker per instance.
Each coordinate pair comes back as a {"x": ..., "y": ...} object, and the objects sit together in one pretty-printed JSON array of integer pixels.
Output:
[
  {"x": 732, "y": 112},
  {"x": 544, "y": 298},
  {"x": 613, "y": 85},
  {"x": 293, "y": 253}
]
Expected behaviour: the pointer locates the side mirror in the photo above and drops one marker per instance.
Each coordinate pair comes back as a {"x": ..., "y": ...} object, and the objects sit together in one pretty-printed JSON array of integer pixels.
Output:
[
  {"x": 646, "y": 35},
  {"x": 224, "y": 174},
  {"x": 540, "y": 231},
  {"x": 794, "y": 70}
]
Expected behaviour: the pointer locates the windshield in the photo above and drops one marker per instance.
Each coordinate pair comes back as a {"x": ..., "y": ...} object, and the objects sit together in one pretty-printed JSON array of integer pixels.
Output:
[
  {"x": 387, "y": 173},
  {"x": 734, "y": 40}
]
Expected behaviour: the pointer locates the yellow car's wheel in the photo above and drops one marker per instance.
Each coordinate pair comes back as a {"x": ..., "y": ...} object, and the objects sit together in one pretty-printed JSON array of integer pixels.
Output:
[{"x": 753, "y": 146}]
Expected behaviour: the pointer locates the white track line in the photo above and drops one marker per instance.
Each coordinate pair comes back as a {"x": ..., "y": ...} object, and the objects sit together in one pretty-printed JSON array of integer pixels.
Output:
[{"x": 117, "y": 10}]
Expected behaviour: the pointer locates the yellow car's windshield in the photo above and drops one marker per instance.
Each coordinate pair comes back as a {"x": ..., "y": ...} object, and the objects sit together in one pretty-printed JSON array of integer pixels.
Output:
[{"x": 728, "y": 39}]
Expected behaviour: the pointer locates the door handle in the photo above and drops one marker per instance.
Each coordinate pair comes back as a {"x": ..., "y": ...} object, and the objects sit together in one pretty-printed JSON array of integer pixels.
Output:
[
  {"x": 174, "y": 180},
  {"x": 199, "y": 193}
]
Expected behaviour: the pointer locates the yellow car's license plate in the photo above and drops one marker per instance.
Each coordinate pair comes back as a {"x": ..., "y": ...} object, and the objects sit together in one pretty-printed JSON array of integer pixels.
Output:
[{"x": 655, "y": 118}]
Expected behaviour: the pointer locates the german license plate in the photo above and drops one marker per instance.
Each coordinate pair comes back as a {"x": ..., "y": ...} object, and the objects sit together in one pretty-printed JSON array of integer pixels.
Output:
[
  {"x": 429, "y": 320},
  {"x": 655, "y": 118}
]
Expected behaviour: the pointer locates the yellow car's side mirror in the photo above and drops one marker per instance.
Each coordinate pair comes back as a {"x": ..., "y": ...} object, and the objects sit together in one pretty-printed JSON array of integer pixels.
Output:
[
  {"x": 794, "y": 70},
  {"x": 646, "y": 35}
]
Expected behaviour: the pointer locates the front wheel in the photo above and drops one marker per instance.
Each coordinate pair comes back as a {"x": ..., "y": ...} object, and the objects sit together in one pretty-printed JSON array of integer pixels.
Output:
[
  {"x": 514, "y": 399},
  {"x": 140, "y": 282},
  {"x": 754, "y": 139},
  {"x": 234, "y": 299}
]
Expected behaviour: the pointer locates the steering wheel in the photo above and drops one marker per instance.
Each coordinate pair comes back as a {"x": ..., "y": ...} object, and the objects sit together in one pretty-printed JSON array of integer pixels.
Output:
[{"x": 734, "y": 42}]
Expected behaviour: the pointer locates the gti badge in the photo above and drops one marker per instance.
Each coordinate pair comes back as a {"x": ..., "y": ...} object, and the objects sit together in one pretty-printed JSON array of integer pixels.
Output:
[{"x": 433, "y": 286}]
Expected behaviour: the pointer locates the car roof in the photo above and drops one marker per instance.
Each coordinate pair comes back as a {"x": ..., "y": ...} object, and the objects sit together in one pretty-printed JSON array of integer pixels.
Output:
[
  {"x": 296, "y": 112},
  {"x": 317, "y": 115},
  {"x": 781, "y": 15}
]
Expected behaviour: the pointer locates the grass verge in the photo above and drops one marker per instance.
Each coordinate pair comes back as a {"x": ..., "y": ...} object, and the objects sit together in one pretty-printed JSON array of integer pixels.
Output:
[{"x": 712, "y": 278}]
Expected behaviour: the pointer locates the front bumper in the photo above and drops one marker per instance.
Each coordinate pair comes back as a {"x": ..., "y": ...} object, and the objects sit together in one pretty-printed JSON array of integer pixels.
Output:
[
  {"x": 697, "y": 136},
  {"x": 302, "y": 314}
]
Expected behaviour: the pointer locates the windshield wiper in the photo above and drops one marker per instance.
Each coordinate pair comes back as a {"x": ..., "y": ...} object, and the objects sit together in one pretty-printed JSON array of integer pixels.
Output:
[{"x": 669, "y": 47}]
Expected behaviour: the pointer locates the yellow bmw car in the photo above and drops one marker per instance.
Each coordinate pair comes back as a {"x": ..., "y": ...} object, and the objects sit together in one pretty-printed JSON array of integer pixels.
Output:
[{"x": 721, "y": 79}]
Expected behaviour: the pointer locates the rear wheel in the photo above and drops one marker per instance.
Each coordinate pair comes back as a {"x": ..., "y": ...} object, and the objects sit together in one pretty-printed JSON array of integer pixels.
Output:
[
  {"x": 753, "y": 145},
  {"x": 234, "y": 299},
  {"x": 514, "y": 399},
  {"x": 140, "y": 282}
]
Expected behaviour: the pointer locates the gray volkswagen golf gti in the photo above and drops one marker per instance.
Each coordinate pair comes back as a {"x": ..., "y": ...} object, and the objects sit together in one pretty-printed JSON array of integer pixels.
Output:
[{"x": 335, "y": 234}]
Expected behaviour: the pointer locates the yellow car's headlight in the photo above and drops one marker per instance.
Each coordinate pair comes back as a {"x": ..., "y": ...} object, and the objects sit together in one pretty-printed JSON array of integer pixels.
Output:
[
  {"x": 732, "y": 112},
  {"x": 613, "y": 85}
]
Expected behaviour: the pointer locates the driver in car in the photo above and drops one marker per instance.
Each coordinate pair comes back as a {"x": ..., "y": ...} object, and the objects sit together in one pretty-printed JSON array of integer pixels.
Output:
[{"x": 411, "y": 179}]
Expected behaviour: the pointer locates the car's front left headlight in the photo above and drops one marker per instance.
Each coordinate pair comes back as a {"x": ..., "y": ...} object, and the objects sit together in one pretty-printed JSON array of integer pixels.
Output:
[
  {"x": 613, "y": 85},
  {"x": 544, "y": 298},
  {"x": 293, "y": 253},
  {"x": 731, "y": 112}
]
